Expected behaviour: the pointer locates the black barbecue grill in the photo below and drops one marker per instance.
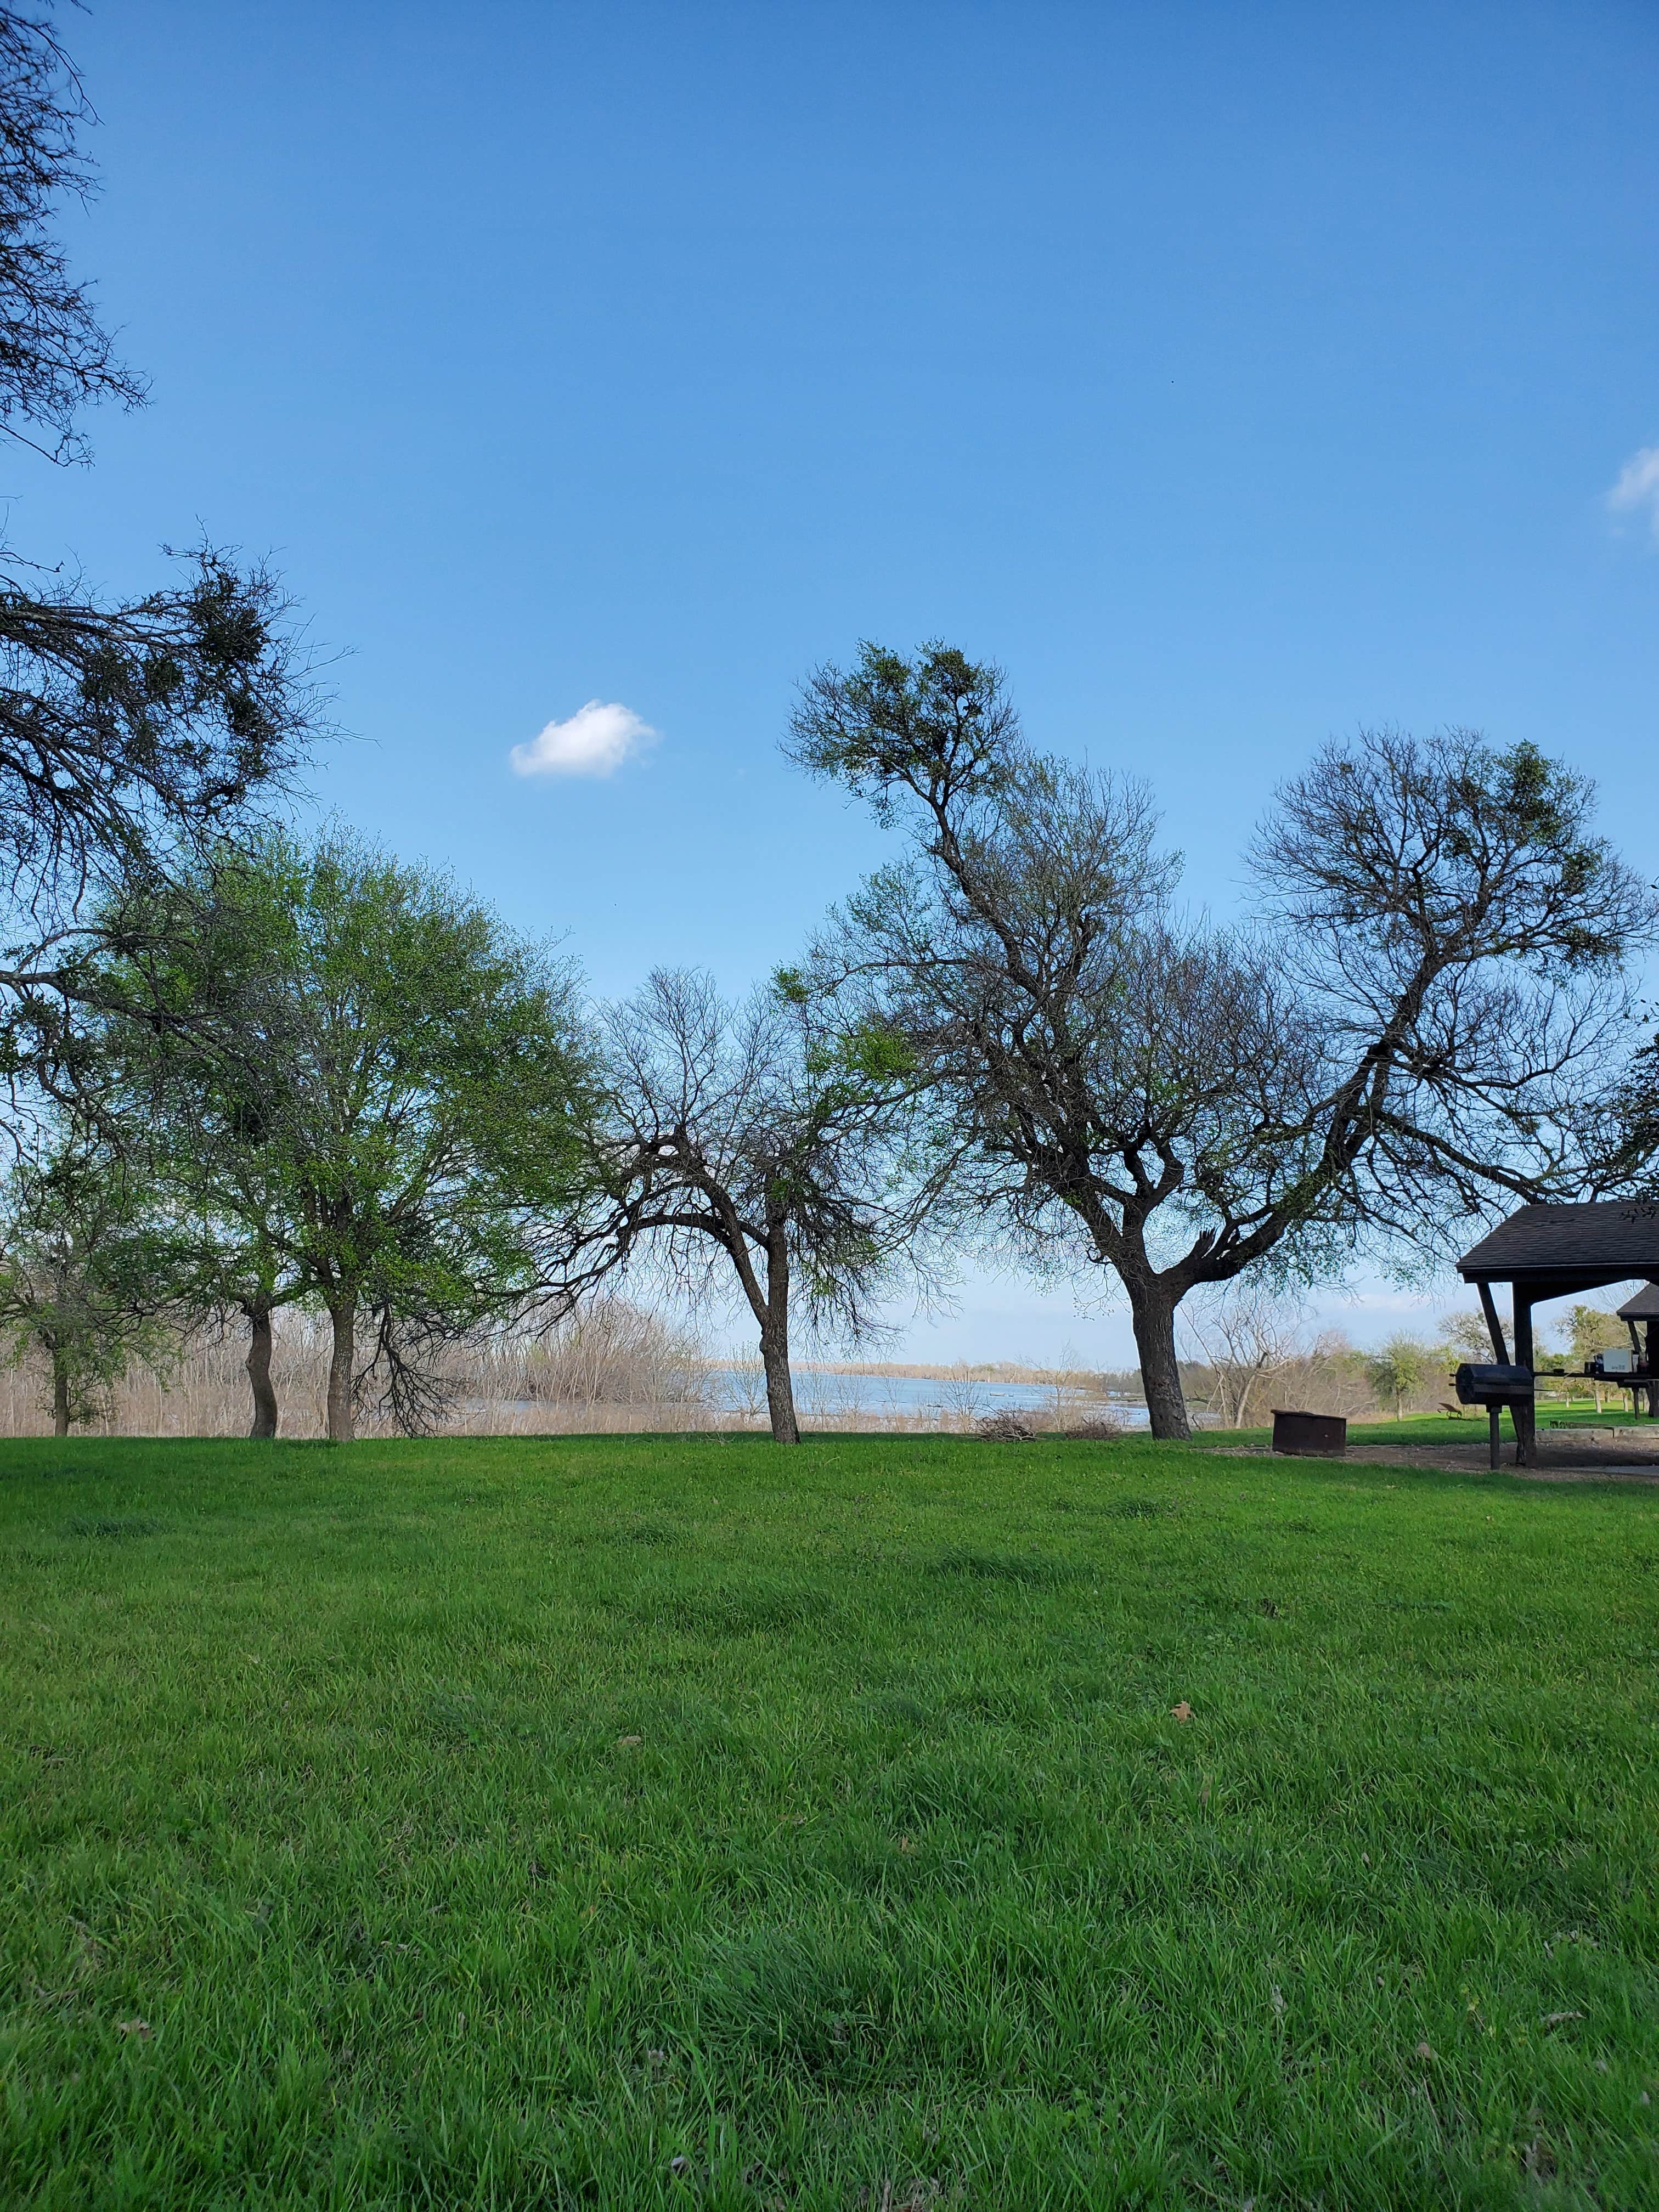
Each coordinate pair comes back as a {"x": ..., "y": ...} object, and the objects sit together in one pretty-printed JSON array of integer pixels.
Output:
[{"x": 1491, "y": 1385}]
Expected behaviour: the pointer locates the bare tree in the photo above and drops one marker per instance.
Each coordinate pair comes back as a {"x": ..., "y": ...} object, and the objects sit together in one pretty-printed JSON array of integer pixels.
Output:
[
  {"x": 1464, "y": 1334},
  {"x": 747, "y": 1381},
  {"x": 961, "y": 1394},
  {"x": 734, "y": 1141},
  {"x": 1406, "y": 1034},
  {"x": 1246, "y": 1334}
]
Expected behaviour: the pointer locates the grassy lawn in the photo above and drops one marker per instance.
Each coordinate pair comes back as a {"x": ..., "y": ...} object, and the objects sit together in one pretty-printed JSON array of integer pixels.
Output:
[{"x": 637, "y": 1821}]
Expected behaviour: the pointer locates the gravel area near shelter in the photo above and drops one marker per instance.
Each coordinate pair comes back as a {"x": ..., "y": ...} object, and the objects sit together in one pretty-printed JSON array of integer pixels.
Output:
[{"x": 1607, "y": 1455}]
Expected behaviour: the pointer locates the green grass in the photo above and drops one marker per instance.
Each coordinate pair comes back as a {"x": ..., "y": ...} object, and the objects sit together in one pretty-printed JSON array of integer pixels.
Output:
[{"x": 626, "y": 1822}]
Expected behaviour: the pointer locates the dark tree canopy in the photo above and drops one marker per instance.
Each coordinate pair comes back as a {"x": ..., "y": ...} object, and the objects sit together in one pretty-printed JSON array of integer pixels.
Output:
[
  {"x": 122, "y": 729},
  {"x": 129, "y": 729},
  {"x": 1410, "y": 1023},
  {"x": 1629, "y": 1152},
  {"x": 1459, "y": 934},
  {"x": 55, "y": 357}
]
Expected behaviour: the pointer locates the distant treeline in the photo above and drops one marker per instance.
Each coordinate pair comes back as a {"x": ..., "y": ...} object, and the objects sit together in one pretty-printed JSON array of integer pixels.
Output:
[{"x": 1106, "y": 1382}]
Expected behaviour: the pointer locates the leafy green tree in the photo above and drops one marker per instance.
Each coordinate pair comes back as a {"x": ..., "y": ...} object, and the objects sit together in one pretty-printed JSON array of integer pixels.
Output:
[
  {"x": 377, "y": 1098},
  {"x": 1398, "y": 1370},
  {"x": 224, "y": 1186},
  {"x": 179, "y": 1080},
  {"x": 1591, "y": 1329},
  {"x": 86, "y": 1273}
]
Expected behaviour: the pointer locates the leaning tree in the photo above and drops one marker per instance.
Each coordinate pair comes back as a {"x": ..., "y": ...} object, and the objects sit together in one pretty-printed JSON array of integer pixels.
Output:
[{"x": 1407, "y": 1028}]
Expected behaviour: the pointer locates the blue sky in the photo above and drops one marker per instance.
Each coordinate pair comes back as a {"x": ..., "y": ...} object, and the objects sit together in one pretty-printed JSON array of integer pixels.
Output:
[{"x": 1234, "y": 376}]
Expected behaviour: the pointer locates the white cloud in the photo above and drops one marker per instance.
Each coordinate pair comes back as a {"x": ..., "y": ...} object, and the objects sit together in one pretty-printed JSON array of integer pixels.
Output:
[
  {"x": 595, "y": 741},
  {"x": 1638, "y": 486}
]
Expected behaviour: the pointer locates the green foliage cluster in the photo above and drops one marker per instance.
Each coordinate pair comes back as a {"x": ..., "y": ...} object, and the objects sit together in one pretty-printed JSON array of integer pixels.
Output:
[
  {"x": 1398, "y": 1370},
  {"x": 363, "y": 1091},
  {"x": 1591, "y": 1329},
  {"x": 85, "y": 1271}
]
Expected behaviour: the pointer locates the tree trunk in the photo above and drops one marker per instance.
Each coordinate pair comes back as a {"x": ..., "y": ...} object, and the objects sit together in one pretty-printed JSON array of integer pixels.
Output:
[
  {"x": 773, "y": 1316},
  {"x": 1152, "y": 1311},
  {"x": 779, "y": 1385},
  {"x": 258, "y": 1370},
  {"x": 60, "y": 1396},
  {"x": 341, "y": 1414}
]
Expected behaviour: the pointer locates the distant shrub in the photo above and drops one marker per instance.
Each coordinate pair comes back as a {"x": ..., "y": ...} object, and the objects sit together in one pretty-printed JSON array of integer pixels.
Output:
[
  {"x": 1006, "y": 1428},
  {"x": 1009, "y": 1427}
]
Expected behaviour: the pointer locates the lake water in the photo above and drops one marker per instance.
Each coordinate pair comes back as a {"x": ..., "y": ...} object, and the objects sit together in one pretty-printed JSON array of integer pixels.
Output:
[{"x": 912, "y": 1396}]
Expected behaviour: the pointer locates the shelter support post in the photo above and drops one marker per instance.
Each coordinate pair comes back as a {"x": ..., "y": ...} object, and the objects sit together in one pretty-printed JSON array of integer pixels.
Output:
[
  {"x": 1523, "y": 1412},
  {"x": 1494, "y": 1328},
  {"x": 1500, "y": 1352}
]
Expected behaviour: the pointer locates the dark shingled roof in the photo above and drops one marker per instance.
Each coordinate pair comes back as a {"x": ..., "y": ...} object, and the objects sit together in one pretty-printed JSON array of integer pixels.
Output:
[
  {"x": 1604, "y": 1244},
  {"x": 1644, "y": 1306}
]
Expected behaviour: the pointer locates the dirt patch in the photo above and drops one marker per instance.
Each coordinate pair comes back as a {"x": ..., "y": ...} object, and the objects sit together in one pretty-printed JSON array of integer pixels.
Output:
[{"x": 1583, "y": 1460}]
